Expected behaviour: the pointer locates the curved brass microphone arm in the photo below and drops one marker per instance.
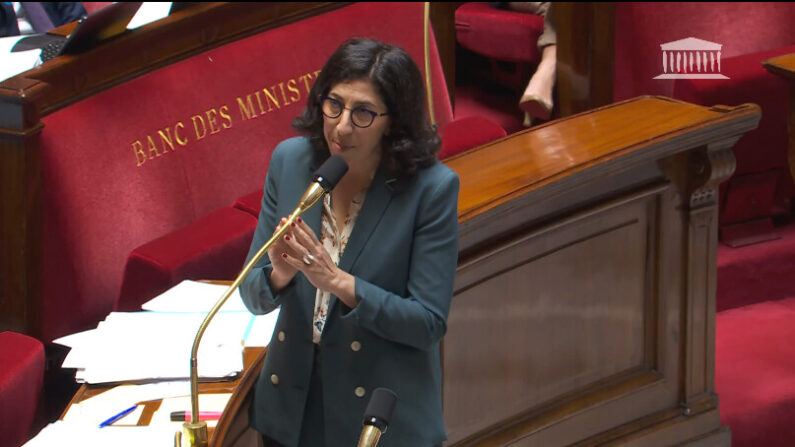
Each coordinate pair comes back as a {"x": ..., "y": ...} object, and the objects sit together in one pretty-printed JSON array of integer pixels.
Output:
[{"x": 195, "y": 430}]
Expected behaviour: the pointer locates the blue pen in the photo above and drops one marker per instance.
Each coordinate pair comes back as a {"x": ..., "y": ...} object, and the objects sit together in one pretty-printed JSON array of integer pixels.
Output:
[{"x": 116, "y": 417}]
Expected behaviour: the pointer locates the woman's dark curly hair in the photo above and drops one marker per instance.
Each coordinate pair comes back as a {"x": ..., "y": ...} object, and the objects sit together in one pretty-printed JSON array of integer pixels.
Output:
[{"x": 412, "y": 142}]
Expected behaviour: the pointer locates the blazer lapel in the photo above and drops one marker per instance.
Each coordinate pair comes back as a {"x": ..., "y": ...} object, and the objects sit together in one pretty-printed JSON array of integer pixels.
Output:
[{"x": 375, "y": 203}]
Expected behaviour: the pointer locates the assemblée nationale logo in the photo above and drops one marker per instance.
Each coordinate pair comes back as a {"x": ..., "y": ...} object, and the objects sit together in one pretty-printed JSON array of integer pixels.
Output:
[{"x": 691, "y": 58}]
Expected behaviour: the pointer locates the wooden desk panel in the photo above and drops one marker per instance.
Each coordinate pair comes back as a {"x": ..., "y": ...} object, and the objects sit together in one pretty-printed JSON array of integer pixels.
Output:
[{"x": 585, "y": 295}]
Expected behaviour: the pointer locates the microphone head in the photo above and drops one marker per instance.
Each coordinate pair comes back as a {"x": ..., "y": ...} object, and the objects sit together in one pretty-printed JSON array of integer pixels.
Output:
[
  {"x": 379, "y": 409},
  {"x": 331, "y": 172}
]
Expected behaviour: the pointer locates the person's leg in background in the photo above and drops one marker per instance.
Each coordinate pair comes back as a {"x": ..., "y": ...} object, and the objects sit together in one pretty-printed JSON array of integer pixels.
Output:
[{"x": 537, "y": 99}]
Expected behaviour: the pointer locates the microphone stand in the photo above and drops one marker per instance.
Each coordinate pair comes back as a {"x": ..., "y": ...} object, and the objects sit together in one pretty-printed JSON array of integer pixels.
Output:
[
  {"x": 369, "y": 436},
  {"x": 195, "y": 431}
]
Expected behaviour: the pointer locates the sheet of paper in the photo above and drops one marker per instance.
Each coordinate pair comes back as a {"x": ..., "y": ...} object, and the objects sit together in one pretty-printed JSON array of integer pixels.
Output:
[
  {"x": 194, "y": 296},
  {"x": 98, "y": 408},
  {"x": 90, "y": 435},
  {"x": 149, "y": 12},
  {"x": 261, "y": 329},
  {"x": 18, "y": 62},
  {"x": 155, "y": 345}
]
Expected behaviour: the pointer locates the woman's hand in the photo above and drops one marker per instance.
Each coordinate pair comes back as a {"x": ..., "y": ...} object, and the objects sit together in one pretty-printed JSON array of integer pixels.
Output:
[
  {"x": 307, "y": 254},
  {"x": 282, "y": 272}
]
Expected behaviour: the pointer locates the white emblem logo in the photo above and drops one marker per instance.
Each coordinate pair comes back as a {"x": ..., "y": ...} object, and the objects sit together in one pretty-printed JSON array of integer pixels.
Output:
[{"x": 691, "y": 58}]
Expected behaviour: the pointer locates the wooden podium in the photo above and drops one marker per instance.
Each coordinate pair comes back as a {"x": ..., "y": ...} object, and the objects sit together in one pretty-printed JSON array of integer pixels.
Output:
[{"x": 584, "y": 307}]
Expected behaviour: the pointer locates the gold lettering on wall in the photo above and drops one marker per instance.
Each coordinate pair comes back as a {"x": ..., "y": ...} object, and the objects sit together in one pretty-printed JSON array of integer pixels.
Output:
[
  {"x": 140, "y": 155},
  {"x": 196, "y": 120},
  {"x": 259, "y": 103},
  {"x": 284, "y": 98},
  {"x": 214, "y": 120},
  {"x": 165, "y": 139},
  {"x": 224, "y": 112},
  {"x": 247, "y": 113},
  {"x": 180, "y": 140},
  {"x": 305, "y": 77},
  {"x": 296, "y": 96},
  {"x": 152, "y": 147},
  {"x": 271, "y": 98}
]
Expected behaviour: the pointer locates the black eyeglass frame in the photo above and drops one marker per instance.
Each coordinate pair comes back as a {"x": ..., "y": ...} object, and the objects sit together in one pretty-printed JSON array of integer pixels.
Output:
[{"x": 372, "y": 114}]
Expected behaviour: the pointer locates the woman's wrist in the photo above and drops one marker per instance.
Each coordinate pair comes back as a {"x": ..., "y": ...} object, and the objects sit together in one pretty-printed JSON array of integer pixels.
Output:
[
  {"x": 279, "y": 280},
  {"x": 344, "y": 288}
]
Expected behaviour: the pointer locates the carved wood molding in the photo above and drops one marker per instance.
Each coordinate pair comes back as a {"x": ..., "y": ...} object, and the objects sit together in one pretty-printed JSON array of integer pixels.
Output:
[{"x": 711, "y": 166}]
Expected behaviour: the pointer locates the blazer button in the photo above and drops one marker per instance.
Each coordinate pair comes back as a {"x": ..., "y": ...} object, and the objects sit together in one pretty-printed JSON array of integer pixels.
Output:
[
  {"x": 359, "y": 391},
  {"x": 356, "y": 346},
  {"x": 281, "y": 336},
  {"x": 274, "y": 379}
]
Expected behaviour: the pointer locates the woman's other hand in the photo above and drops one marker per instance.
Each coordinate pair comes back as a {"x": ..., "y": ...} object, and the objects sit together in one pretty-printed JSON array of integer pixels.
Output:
[{"x": 307, "y": 254}]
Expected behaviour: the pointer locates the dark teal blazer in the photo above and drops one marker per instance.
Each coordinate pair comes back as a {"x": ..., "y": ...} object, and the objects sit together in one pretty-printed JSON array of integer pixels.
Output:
[{"x": 403, "y": 252}]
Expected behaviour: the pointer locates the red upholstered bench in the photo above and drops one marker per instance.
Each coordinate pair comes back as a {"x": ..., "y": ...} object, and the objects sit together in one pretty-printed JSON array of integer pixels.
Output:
[
  {"x": 213, "y": 247},
  {"x": 466, "y": 133},
  {"x": 21, "y": 377},
  {"x": 250, "y": 203},
  {"x": 755, "y": 373},
  {"x": 500, "y": 35},
  {"x": 761, "y": 187}
]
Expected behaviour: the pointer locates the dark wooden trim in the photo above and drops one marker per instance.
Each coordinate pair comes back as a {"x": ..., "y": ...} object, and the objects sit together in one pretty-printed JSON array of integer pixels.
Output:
[{"x": 584, "y": 55}]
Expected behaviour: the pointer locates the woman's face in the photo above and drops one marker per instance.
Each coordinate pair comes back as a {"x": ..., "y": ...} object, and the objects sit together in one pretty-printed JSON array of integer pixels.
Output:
[{"x": 359, "y": 146}]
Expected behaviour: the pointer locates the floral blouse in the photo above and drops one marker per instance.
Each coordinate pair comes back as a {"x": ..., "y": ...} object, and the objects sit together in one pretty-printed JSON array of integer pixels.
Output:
[{"x": 334, "y": 240}]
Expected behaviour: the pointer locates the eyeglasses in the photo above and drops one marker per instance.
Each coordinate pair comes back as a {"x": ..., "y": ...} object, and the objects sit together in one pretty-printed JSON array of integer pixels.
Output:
[{"x": 360, "y": 117}]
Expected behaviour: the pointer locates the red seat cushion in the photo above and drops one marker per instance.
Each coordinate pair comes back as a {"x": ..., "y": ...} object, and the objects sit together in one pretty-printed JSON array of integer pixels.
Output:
[
  {"x": 496, "y": 33},
  {"x": 466, "y": 133},
  {"x": 250, "y": 203},
  {"x": 755, "y": 373},
  {"x": 21, "y": 376},
  {"x": 213, "y": 247}
]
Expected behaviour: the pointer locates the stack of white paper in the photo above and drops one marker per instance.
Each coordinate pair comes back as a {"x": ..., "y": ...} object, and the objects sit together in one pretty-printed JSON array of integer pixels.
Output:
[{"x": 156, "y": 344}]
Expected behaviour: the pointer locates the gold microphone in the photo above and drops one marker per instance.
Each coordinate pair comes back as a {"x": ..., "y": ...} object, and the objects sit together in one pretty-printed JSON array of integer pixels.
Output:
[{"x": 324, "y": 180}]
